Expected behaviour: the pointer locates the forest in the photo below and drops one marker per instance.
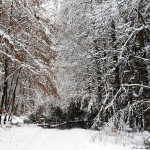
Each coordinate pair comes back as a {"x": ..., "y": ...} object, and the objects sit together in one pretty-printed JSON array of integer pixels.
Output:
[{"x": 80, "y": 61}]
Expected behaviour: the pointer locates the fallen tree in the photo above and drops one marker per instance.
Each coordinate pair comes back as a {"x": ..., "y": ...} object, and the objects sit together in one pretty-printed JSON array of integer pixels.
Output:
[{"x": 68, "y": 124}]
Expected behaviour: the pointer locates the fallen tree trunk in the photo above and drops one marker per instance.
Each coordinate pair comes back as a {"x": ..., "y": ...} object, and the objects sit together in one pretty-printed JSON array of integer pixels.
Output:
[{"x": 69, "y": 125}]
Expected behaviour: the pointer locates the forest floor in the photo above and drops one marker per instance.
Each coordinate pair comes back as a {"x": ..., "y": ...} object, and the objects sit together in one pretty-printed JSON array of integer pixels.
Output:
[{"x": 31, "y": 137}]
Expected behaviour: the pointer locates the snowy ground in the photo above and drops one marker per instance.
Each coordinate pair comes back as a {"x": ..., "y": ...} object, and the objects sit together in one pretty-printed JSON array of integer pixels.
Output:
[{"x": 36, "y": 138}]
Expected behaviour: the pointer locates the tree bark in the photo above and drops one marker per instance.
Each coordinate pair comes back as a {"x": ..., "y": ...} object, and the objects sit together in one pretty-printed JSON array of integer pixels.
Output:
[
  {"x": 5, "y": 87},
  {"x": 1, "y": 10},
  {"x": 14, "y": 95}
]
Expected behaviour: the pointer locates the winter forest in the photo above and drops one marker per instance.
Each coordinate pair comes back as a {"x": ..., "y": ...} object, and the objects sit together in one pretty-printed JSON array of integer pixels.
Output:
[{"x": 76, "y": 64}]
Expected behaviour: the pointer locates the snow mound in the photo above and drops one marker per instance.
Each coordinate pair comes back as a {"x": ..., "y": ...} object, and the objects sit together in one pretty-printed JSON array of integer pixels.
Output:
[{"x": 17, "y": 120}]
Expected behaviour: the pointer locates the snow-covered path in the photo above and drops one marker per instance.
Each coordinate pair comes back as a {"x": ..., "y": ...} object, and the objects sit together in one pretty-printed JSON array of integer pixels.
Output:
[{"x": 36, "y": 138}]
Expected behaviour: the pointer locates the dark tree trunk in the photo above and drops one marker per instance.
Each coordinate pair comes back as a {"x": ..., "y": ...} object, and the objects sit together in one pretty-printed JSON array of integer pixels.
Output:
[
  {"x": 5, "y": 87},
  {"x": 1, "y": 10},
  {"x": 14, "y": 95}
]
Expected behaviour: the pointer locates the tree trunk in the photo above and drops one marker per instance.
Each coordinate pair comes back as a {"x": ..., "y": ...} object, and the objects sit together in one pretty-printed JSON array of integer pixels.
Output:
[
  {"x": 1, "y": 10},
  {"x": 5, "y": 87},
  {"x": 14, "y": 95}
]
